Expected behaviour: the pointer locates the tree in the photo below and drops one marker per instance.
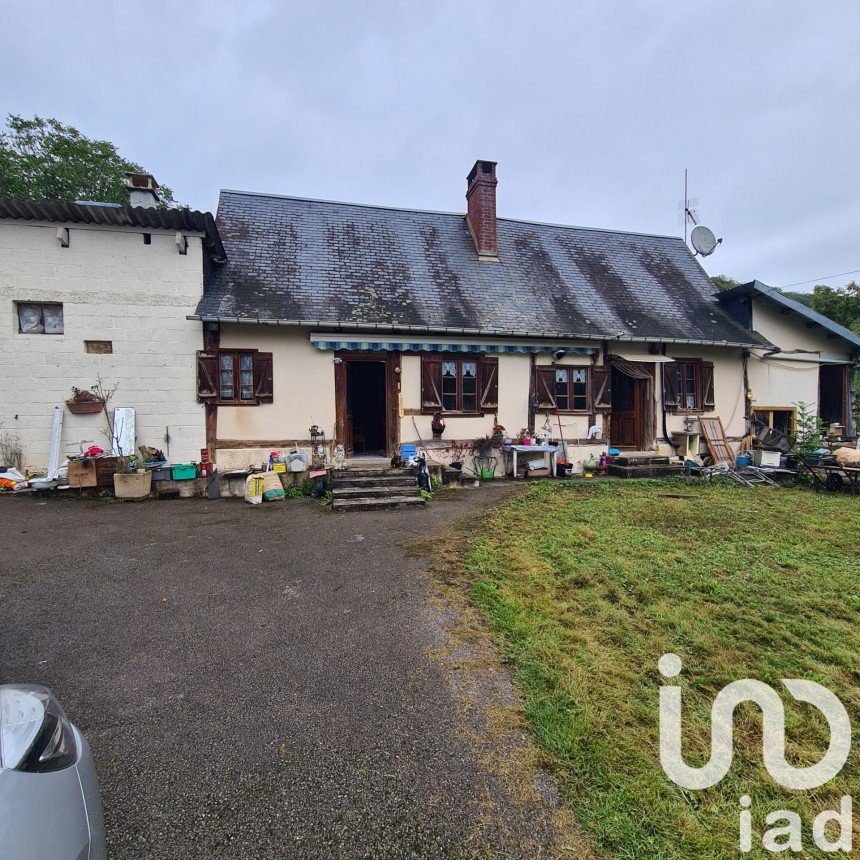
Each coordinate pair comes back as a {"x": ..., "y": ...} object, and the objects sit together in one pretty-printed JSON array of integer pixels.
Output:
[
  {"x": 841, "y": 304},
  {"x": 724, "y": 282},
  {"x": 43, "y": 159}
]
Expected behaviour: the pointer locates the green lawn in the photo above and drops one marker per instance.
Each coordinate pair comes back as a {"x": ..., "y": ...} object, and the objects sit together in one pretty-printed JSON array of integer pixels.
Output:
[{"x": 586, "y": 585}]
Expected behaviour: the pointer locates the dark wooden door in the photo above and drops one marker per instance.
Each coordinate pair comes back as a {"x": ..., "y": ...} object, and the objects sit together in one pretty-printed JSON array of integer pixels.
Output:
[{"x": 626, "y": 418}]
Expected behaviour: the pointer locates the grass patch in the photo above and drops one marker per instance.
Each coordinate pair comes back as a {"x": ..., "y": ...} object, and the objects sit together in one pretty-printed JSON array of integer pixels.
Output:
[{"x": 588, "y": 584}]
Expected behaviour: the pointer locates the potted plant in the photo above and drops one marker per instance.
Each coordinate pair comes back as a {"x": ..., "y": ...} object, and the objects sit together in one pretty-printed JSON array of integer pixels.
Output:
[
  {"x": 457, "y": 456},
  {"x": 129, "y": 482},
  {"x": 83, "y": 402},
  {"x": 483, "y": 447},
  {"x": 437, "y": 425}
]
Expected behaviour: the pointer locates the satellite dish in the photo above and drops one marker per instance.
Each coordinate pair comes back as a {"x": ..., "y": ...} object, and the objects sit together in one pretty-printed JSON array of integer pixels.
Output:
[{"x": 703, "y": 241}]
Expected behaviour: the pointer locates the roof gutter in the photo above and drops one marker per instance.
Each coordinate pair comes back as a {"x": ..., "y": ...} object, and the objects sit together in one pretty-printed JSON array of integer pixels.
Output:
[{"x": 453, "y": 330}]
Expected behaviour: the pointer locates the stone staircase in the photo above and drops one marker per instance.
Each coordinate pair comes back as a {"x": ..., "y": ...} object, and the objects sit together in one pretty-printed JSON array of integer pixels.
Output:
[
  {"x": 642, "y": 464},
  {"x": 373, "y": 488}
]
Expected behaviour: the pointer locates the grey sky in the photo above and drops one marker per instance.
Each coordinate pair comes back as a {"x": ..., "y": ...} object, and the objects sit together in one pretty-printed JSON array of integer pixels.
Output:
[{"x": 592, "y": 110}]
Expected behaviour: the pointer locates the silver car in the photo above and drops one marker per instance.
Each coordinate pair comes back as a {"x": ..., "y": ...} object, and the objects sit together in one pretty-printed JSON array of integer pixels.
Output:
[{"x": 50, "y": 807}]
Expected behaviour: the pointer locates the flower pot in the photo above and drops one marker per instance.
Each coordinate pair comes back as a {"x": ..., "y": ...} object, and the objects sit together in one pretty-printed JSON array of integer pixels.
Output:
[
  {"x": 88, "y": 407},
  {"x": 132, "y": 485}
]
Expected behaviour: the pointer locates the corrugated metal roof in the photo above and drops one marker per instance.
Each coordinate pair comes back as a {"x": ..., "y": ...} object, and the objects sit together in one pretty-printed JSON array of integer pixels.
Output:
[
  {"x": 62, "y": 212},
  {"x": 347, "y": 265}
]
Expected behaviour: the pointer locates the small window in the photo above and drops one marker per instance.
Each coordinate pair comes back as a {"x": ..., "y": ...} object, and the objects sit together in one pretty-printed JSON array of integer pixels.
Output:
[
  {"x": 40, "y": 318},
  {"x": 236, "y": 375},
  {"x": 688, "y": 385},
  {"x": 562, "y": 388},
  {"x": 240, "y": 378},
  {"x": 147, "y": 238},
  {"x": 460, "y": 385},
  {"x": 98, "y": 347}
]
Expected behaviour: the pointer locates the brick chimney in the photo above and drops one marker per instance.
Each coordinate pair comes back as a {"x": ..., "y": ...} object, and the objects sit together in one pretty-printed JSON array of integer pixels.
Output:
[
  {"x": 142, "y": 190},
  {"x": 481, "y": 209}
]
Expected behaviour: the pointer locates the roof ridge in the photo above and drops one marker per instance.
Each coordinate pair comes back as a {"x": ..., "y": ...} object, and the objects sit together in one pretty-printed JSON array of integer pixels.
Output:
[{"x": 390, "y": 208}]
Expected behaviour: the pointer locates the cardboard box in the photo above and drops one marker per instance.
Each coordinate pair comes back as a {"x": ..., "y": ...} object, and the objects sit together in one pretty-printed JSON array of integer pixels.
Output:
[{"x": 82, "y": 474}]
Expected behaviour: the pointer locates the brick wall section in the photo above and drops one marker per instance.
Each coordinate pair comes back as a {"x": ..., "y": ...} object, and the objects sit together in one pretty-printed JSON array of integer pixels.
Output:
[
  {"x": 481, "y": 212},
  {"x": 112, "y": 287}
]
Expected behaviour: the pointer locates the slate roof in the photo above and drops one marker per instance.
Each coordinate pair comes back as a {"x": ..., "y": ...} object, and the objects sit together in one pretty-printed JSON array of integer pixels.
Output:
[
  {"x": 63, "y": 212},
  {"x": 343, "y": 265}
]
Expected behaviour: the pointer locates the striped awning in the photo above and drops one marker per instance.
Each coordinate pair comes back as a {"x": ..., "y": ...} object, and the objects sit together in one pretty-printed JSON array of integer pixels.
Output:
[{"x": 445, "y": 346}]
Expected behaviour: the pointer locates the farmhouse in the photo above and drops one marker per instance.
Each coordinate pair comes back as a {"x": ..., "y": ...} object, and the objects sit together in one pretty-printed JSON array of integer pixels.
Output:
[{"x": 368, "y": 321}]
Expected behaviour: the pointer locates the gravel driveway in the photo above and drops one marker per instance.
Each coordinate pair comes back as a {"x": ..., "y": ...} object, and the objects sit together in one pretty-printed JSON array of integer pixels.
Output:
[{"x": 254, "y": 682}]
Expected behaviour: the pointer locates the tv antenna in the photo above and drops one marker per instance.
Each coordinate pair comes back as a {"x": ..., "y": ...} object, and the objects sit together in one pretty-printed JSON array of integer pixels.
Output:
[
  {"x": 688, "y": 209},
  {"x": 702, "y": 239}
]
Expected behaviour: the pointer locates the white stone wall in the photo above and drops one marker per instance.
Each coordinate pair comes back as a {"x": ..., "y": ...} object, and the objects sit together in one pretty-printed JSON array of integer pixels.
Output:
[{"x": 112, "y": 287}]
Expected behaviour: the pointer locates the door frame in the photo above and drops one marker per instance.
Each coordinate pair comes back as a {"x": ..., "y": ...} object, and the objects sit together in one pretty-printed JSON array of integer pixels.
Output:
[
  {"x": 640, "y": 399},
  {"x": 391, "y": 415}
]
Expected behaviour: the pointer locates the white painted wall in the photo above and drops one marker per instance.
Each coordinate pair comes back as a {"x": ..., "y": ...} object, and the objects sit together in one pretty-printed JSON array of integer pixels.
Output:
[
  {"x": 112, "y": 287},
  {"x": 786, "y": 379}
]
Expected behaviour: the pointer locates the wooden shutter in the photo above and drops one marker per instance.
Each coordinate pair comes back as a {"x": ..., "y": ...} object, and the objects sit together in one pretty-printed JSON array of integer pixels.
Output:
[
  {"x": 707, "y": 382},
  {"x": 489, "y": 383},
  {"x": 671, "y": 397},
  {"x": 601, "y": 389},
  {"x": 263, "y": 387},
  {"x": 431, "y": 383},
  {"x": 207, "y": 376},
  {"x": 543, "y": 386}
]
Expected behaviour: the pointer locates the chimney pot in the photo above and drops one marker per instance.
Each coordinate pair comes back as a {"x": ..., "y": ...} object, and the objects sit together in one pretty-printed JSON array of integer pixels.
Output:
[
  {"x": 481, "y": 208},
  {"x": 142, "y": 190}
]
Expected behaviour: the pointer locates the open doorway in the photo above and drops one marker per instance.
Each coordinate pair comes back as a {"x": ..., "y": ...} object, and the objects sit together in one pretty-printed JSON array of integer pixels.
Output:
[
  {"x": 366, "y": 430},
  {"x": 833, "y": 394}
]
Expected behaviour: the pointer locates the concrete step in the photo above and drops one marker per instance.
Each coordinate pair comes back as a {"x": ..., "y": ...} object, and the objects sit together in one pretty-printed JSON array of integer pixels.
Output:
[
  {"x": 380, "y": 504},
  {"x": 638, "y": 458},
  {"x": 374, "y": 492},
  {"x": 661, "y": 470},
  {"x": 381, "y": 481},
  {"x": 370, "y": 473}
]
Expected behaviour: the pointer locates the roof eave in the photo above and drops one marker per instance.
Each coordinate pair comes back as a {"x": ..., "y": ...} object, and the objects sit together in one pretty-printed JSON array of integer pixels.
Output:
[
  {"x": 476, "y": 332},
  {"x": 779, "y": 298}
]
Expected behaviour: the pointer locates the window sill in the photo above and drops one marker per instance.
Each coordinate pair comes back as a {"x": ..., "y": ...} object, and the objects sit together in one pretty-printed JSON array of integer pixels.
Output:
[
  {"x": 432, "y": 412},
  {"x": 234, "y": 402}
]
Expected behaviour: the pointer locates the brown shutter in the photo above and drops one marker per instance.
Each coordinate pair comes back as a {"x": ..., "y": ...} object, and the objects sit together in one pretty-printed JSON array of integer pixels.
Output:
[
  {"x": 601, "y": 389},
  {"x": 489, "y": 383},
  {"x": 207, "y": 376},
  {"x": 544, "y": 387},
  {"x": 707, "y": 381},
  {"x": 431, "y": 383},
  {"x": 263, "y": 387},
  {"x": 671, "y": 398}
]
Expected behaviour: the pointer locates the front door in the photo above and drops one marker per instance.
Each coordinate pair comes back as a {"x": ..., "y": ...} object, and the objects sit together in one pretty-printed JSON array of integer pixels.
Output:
[
  {"x": 626, "y": 425},
  {"x": 367, "y": 389},
  {"x": 365, "y": 408}
]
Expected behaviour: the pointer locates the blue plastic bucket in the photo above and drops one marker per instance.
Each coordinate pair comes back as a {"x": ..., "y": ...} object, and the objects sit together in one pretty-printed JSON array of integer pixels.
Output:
[
  {"x": 743, "y": 461},
  {"x": 408, "y": 451}
]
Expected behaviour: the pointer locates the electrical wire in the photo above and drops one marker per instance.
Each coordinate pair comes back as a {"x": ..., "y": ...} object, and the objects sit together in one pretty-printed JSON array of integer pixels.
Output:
[{"x": 820, "y": 278}]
